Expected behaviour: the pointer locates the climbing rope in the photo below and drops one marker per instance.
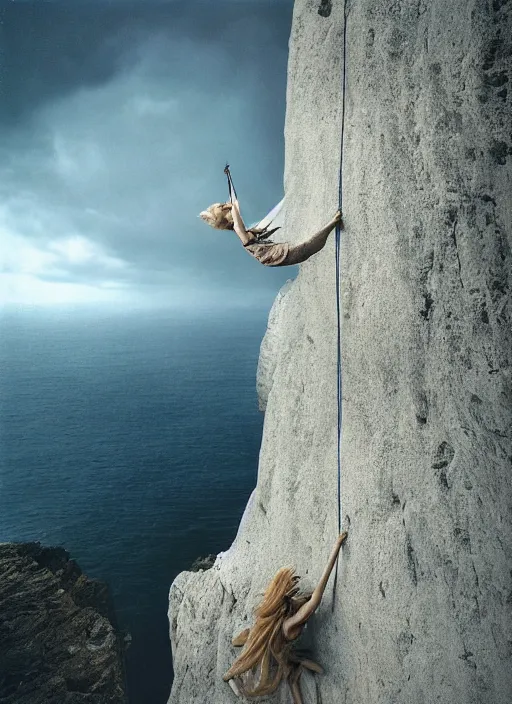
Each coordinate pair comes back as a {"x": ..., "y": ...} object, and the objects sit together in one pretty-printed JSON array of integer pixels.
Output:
[
  {"x": 337, "y": 255},
  {"x": 338, "y": 296}
]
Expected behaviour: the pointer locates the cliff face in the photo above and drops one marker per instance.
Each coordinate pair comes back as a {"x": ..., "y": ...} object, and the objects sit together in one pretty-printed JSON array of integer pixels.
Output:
[
  {"x": 58, "y": 642},
  {"x": 422, "y": 607}
]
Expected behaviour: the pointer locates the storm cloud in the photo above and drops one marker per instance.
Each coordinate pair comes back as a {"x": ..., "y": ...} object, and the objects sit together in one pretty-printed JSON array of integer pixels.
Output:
[{"x": 116, "y": 120}]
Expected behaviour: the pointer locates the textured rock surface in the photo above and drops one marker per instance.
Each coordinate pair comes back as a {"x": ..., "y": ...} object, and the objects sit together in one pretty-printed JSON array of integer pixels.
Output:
[
  {"x": 423, "y": 600},
  {"x": 58, "y": 644}
]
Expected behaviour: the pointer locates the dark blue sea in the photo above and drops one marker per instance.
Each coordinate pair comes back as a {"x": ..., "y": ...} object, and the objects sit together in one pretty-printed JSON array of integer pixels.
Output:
[{"x": 132, "y": 441}]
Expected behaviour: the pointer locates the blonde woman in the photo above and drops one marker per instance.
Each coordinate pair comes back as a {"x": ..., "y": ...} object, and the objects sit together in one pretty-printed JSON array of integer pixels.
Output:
[
  {"x": 269, "y": 653},
  {"x": 226, "y": 216}
]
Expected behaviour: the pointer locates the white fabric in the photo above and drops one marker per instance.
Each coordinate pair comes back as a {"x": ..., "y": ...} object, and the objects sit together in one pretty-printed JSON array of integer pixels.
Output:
[{"x": 275, "y": 216}]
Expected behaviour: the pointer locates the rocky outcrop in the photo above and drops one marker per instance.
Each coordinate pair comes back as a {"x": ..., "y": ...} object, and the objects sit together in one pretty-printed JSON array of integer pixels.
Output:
[
  {"x": 58, "y": 641},
  {"x": 422, "y": 610}
]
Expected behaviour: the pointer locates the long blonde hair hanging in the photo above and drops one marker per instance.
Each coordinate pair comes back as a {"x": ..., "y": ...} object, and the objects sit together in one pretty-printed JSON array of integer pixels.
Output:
[{"x": 265, "y": 653}]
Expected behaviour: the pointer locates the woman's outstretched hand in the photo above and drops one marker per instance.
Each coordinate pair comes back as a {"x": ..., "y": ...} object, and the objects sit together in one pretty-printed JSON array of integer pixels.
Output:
[
  {"x": 342, "y": 537},
  {"x": 338, "y": 218}
]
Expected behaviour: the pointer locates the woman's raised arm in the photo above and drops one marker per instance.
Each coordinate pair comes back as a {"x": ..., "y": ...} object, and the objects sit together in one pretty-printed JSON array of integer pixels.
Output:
[
  {"x": 293, "y": 624},
  {"x": 239, "y": 225}
]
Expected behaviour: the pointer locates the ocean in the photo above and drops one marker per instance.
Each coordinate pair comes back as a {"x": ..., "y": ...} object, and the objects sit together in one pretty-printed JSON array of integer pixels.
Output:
[{"x": 132, "y": 441}]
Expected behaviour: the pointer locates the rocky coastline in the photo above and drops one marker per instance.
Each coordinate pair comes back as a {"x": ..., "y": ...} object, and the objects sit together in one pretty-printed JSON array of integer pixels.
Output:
[{"x": 59, "y": 641}]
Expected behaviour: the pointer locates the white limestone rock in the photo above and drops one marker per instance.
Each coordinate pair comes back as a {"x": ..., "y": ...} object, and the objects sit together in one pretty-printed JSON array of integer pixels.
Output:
[
  {"x": 423, "y": 600},
  {"x": 271, "y": 347}
]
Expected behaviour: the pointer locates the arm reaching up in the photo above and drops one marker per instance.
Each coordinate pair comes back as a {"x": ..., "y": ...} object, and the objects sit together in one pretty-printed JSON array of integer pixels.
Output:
[
  {"x": 293, "y": 625},
  {"x": 239, "y": 225}
]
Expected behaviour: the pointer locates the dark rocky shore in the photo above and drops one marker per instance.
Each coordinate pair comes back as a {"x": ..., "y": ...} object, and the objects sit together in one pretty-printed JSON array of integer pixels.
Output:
[{"x": 58, "y": 637}]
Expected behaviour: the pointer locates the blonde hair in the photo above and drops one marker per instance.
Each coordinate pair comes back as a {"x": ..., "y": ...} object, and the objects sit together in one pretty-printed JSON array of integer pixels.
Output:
[
  {"x": 218, "y": 216},
  {"x": 265, "y": 656}
]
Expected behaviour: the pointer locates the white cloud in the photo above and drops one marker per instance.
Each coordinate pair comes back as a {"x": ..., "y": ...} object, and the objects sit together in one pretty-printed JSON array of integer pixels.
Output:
[
  {"x": 26, "y": 289},
  {"x": 79, "y": 250},
  {"x": 20, "y": 256},
  {"x": 29, "y": 262}
]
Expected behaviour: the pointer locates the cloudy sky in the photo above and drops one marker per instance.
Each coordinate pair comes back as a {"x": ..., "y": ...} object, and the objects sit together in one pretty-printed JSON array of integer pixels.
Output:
[{"x": 116, "y": 119}]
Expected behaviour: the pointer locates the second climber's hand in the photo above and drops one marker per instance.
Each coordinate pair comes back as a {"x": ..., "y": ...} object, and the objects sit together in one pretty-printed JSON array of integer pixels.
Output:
[
  {"x": 342, "y": 537},
  {"x": 226, "y": 169},
  {"x": 338, "y": 218},
  {"x": 337, "y": 546}
]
